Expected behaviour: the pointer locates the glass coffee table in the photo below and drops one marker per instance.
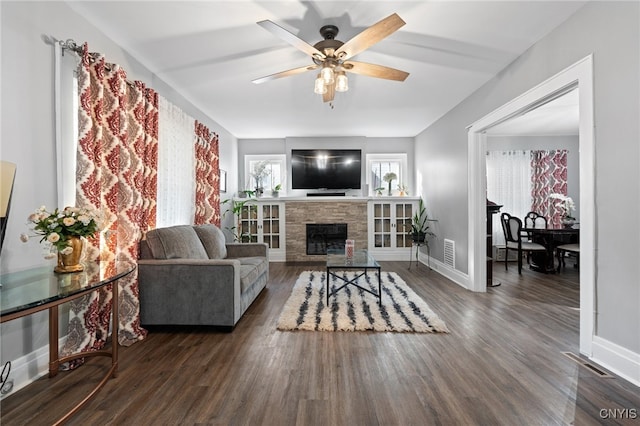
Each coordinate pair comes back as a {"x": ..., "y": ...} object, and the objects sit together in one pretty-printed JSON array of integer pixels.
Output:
[{"x": 361, "y": 261}]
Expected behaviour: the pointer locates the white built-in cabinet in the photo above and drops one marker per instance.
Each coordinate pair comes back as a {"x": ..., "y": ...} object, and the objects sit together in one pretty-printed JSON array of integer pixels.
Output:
[
  {"x": 264, "y": 222},
  {"x": 388, "y": 228},
  {"x": 388, "y": 224}
]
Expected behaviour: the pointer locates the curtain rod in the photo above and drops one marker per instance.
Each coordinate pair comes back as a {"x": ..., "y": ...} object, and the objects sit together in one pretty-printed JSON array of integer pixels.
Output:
[{"x": 70, "y": 44}]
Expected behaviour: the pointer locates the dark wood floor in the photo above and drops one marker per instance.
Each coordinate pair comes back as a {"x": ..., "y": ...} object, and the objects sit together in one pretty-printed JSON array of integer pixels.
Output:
[{"x": 502, "y": 364}]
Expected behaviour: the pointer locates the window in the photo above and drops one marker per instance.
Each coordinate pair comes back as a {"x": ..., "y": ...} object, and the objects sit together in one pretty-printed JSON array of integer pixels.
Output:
[
  {"x": 378, "y": 165},
  {"x": 66, "y": 125},
  {"x": 264, "y": 172}
]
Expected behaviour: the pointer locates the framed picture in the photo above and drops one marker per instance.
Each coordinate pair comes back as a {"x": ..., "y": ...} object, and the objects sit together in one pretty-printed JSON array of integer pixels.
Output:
[{"x": 223, "y": 181}]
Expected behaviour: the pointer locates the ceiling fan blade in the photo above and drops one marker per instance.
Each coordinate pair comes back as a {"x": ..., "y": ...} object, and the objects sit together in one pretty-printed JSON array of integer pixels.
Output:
[
  {"x": 330, "y": 94},
  {"x": 287, "y": 73},
  {"x": 291, "y": 38},
  {"x": 370, "y": 36},
  {"x": 373, "y": 70}
]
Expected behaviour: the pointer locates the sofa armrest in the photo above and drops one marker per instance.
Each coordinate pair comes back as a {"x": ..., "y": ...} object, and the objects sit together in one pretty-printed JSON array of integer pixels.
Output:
[
  {"x": 189, "y": 291},
  {"x": 235, "y": 250}
]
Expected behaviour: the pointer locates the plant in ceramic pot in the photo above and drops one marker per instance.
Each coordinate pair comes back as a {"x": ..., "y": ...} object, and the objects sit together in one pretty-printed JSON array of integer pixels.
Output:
[{"x": 275, "y": 192}]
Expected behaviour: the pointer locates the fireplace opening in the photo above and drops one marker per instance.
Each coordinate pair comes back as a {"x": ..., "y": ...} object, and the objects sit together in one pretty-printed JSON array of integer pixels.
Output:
[{"x": 324, "y": 236}]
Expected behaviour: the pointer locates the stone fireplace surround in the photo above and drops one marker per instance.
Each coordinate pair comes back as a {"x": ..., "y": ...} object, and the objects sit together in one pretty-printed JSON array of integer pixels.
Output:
[{"x": 331, "y": 210}]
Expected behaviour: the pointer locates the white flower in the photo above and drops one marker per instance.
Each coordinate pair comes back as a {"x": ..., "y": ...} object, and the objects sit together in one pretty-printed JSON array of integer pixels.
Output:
[
  {"x": 84, "y": 219},
  {"x": 53, "y": 237},
  {"x": 24, "y": 238},
  {"x": 67, "y": 250},
  {"x": 566, "y": 203},
  {"x": 68, "y": 221},
  {"x": 49, "y": 255}
]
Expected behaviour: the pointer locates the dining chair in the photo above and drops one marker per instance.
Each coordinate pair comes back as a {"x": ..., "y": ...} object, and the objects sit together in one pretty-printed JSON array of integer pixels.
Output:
[
  {"x": 563, "y": 249},
  {"x": 512, "y": 228},
  {"x": 533, "y": 220}
]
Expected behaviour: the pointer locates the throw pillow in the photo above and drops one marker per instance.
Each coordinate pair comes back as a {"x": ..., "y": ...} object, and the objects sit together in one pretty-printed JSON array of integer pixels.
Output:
[
  {"x": 175, "y": 242},
  {"x": 213, "y": 240}
]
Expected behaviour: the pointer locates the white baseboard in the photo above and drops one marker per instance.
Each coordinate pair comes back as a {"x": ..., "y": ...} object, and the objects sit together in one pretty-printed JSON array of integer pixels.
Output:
[
  {"x": 453, "y": 274},
  {"x": 615, "y": 358},
  {"x": 28, "y": 369}
]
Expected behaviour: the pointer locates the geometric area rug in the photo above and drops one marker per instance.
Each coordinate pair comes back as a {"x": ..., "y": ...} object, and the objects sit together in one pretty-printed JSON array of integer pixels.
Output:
[{"x": 352, "y": 309}]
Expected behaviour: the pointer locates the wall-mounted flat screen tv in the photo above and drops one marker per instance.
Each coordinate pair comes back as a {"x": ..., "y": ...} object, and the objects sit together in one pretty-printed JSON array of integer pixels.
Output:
[{"x": 326, "y": 168}]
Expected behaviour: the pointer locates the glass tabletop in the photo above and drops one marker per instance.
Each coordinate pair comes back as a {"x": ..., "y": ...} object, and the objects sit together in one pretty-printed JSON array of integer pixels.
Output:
[
  {"x": 361, "y": 259},
  {"x": 27, "y": 289}
]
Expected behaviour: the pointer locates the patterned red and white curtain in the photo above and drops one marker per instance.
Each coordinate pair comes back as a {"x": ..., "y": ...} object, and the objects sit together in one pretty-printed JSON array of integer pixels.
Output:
[
  {"x": 207, "y": 174},
  {"x": 548, "y": 176},
  {"x": 116, "y": 175}
]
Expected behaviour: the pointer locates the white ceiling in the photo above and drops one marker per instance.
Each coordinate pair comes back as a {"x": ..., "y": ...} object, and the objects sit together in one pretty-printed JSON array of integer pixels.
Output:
[
  {"x": 209, "y": 51},
  {"x": 561, "y": 116}
]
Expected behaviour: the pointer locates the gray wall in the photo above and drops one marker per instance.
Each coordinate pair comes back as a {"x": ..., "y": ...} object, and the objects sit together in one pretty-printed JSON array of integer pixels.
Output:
[
  {"x": 609, "y": 31},
  {"x": 367, "y": 145},
  {"x": 28, "y": 133}
]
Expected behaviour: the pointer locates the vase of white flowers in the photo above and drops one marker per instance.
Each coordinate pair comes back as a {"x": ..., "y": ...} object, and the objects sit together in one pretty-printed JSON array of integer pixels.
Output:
[
  {"x": 260, "y": 171},
  {"x": 62, "y": 232},
  {"x": 566, "y": 205},
  {"x": 389, "y": 177}
]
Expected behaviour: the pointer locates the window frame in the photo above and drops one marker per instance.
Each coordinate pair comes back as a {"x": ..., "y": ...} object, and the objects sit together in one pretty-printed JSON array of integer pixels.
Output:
[
  {"x": 274, "y": 159},
  {"x": 400, "y": 158}
]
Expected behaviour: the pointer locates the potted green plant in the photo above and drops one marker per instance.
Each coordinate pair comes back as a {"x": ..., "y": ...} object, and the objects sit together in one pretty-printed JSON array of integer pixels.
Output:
[
  {"x": 235, "y": 208},
  {"x": 275, "y": 192},
  {"x": 420, "y": 224},
  {"x": 379, "y": 191}
]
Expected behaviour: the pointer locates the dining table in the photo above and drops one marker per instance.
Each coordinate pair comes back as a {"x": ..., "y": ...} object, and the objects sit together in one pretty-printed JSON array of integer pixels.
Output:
[{"x": 550, "y": 237}]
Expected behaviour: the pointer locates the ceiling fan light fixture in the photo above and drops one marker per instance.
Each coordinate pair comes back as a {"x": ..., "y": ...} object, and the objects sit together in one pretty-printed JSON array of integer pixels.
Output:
[
  {"x": 319, "y": 87},
  {"x": 327, "y": 74},
  {"x": 342, "y": 83}
]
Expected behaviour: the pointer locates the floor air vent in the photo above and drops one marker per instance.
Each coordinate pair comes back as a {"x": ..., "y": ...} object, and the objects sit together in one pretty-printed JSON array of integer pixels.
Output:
[
  {"x": 450, "y": 253},
  {"x": 586, "y": 364}
]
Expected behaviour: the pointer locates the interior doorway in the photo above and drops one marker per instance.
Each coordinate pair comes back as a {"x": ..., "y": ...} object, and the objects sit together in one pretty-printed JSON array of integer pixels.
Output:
[
  {"x": 552, "y": 128},
  {"x": 576, "y": 77}
]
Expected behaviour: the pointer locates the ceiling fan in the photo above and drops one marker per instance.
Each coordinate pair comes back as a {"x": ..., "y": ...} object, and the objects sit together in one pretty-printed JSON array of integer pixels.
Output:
[{"x": 332, "y": 56}]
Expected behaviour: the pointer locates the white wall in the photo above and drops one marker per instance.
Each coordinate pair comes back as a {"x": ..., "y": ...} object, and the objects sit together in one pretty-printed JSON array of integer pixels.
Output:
[
  {"x": 609, "y": 31},
  {"x": 27, "y": 134},
  {"x": 570, "y": 143}
]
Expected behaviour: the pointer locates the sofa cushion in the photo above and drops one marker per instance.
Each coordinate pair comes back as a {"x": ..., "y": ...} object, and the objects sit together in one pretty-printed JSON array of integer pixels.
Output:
[
  {"x": 213, "y": 240},
  {"x": 250, "y": 269},
  {"x": 175, "y": 242}
]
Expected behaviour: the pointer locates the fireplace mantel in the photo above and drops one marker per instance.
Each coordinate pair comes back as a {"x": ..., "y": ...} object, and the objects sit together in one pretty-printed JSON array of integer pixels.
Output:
[{"x": 300, "y": 212}]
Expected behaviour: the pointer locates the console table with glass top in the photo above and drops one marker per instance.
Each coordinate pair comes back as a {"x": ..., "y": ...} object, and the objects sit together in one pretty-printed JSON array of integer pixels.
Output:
[
  {"x": 27, "y": 292},
  {"x": 361, "y": 260}
]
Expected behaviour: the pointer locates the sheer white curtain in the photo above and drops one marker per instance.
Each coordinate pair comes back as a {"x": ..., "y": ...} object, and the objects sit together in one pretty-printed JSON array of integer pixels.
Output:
[
  {"x": 176, "y": 166},
  {"x": 508, "y": 184}
]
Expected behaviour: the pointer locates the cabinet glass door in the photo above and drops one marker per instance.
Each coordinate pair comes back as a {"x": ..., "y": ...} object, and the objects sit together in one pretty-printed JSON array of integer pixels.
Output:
[
  {"x": 382, "y": 224},
  {"x": 271, "y": 225},
  {"x": 404, "y": 213},
  {"x": 249, "y": 224}
]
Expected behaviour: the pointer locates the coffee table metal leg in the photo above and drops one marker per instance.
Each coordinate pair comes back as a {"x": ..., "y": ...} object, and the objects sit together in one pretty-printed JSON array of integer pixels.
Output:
[
  {"x": 327, "y": 286},
  {"x": 379, "y": 289}
]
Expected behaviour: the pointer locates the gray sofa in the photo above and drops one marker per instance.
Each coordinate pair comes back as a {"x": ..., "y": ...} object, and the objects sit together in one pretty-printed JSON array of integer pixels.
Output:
[{"x": 187, "y": 275}]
